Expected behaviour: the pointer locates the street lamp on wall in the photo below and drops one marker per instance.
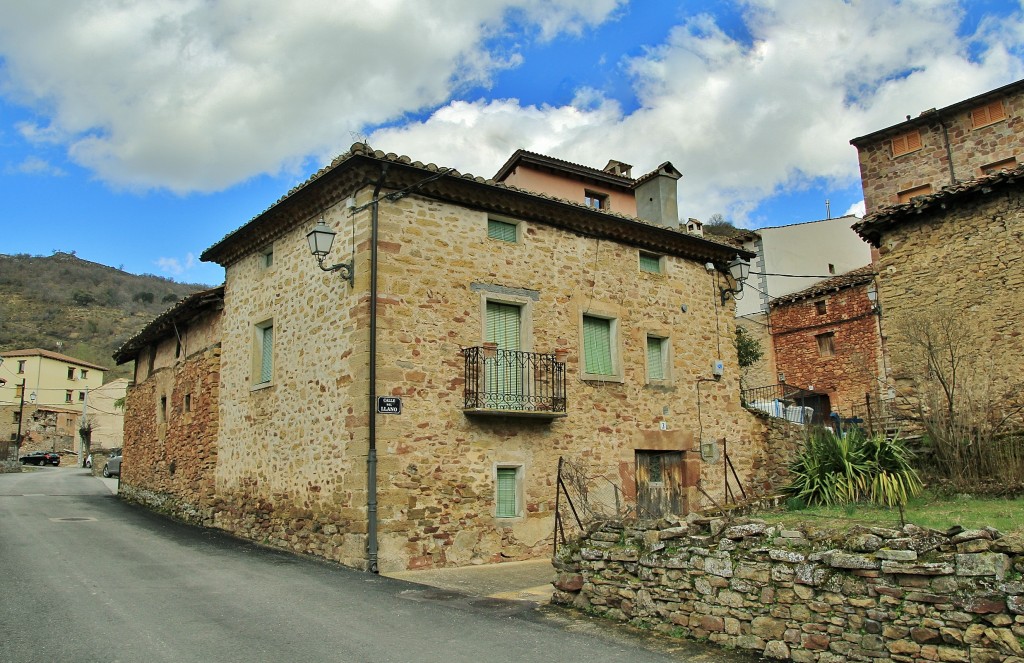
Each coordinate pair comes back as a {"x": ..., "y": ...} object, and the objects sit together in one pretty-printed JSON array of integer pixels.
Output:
[
  {"x": 320, "y": 239},
  {"x": 739, "y": 270}
]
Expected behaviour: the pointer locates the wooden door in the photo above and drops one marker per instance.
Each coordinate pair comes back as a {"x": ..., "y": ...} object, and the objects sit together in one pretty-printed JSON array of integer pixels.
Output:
[{"x": 659, "y": 483}]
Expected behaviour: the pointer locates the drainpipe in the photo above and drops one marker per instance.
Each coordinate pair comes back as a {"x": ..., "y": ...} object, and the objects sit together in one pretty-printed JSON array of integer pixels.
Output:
[
  {"x": 949, "y": 150},
  {"x": 371, "y": 455}
]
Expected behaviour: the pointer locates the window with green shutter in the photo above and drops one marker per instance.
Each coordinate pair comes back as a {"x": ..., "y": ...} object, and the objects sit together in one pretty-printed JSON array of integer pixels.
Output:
[
  {"x": 266, "y": 353},
  {"x": 597, "y": 346},
  {"x": 506, "y": 506},
  {"x": 650, "y": 263},
  {"x": 501, "y": 230},
  {"x": 655, "y": 358}
]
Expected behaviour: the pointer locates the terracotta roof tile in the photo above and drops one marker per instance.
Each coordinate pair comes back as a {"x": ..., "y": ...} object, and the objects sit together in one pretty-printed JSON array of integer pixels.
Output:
[
  {"x": 49, "y": 354},
  {"x": 874, "y": 224},
  {"x": 182, "y": 311},
  {"x": 215, "y": 252},
  {"x": 848, "y": 279}
]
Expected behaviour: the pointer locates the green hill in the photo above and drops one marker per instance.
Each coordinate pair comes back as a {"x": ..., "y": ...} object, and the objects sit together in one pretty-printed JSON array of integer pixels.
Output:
[{"x": 80, "y": 308}]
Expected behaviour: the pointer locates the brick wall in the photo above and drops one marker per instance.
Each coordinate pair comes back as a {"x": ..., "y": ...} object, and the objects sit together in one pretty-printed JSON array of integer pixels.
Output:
[
  {"x": 883, "y": 175},
  {"x": 848, "y": 374}
]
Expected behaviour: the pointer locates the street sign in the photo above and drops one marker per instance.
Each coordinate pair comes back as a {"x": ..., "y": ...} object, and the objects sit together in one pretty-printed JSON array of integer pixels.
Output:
[{"x": 389, "y": 405}]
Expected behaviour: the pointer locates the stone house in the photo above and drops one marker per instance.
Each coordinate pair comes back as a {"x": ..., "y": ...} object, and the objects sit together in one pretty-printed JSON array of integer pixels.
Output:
[
  {"x": 44, "y": 427},
  {"x": 172, "y": 408},
  {"x": 409, "y": 408},
  {"x": 940, "y": 147},
  {"x": 944, "y": 211},
  {"x": 954, "y": 258},
  {"x": 827, "y": 342}
]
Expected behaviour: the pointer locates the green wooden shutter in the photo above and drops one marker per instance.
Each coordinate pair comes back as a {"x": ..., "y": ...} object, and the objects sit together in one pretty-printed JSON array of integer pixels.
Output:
[
  {"x": 597, "y": 346},
  {"x": 506, "y": 506},
  {"x": 267, "y": 358},
  {"x": 655, "y": 358},
  {"x": 502, "y": 230},
  {"x": 650, "y": 263},
  {"x": 503, "y": 325}
]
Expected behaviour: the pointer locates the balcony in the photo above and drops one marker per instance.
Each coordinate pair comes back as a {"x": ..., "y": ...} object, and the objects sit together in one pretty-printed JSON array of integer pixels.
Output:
[{"x": 510, "y": 383}]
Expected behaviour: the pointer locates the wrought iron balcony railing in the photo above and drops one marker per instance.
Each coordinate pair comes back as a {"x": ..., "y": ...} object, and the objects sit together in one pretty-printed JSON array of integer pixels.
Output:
[{"x": 510, "y": 382}]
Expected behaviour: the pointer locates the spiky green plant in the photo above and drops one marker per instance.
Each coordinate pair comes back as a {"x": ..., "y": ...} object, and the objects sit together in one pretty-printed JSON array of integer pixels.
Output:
[{"x": 834, "y": 469}]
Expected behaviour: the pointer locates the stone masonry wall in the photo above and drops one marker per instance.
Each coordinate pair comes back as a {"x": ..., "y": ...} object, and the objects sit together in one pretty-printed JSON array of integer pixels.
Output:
[
  {"x": 909, "y": 595},
  {"x": 852, "y": 371},
  {"x": 292, "y": 453},
  {"x": 884, "y": 176},
  {"x": 170, "y": 456},
  {"x": 964, "y": 263}
]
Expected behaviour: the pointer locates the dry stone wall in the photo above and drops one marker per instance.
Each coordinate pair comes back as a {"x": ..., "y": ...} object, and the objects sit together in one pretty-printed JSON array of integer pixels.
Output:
[{"x": 910, "y": 595}]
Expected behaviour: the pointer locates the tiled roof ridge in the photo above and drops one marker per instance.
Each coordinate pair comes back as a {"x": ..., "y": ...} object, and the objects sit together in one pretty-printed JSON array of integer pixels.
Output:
[
  {"x": 838, "y": 282},
  {"x": 363, "y": 149},
  {"x": 50, "y": 354},
  {"x": 565, "y": 162},
  {"x": 888, "y": 213},
  {"x": 181, "y": 305}
]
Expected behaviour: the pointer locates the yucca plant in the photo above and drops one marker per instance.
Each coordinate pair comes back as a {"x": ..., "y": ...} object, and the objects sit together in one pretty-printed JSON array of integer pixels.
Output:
[{"x": 841, "y": 469}]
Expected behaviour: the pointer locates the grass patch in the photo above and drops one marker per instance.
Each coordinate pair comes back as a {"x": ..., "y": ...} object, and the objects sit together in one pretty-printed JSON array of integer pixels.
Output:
[{"x": 927, "y": 510}]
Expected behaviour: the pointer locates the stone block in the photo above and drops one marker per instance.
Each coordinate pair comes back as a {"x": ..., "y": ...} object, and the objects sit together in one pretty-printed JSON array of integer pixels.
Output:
[
  {"x": 718, "y": 566},
  {"x": 954, "y": 655},
  {"x": 843, "y": 560},
  {"x": 928, "y": 569},
  {"x": 785, "y": 556},
  {"x": 896, "y": 555},
  {"x": 768, "y": 628},
  {"x": 776, "y": 649},
  {"x": 982, "y": 564}
]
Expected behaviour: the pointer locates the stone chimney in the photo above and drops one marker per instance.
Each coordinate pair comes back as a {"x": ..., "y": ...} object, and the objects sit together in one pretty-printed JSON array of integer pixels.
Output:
[
  {"x": 656, "y": 196},
  {"x": 695, "y": 227},
  {"x": 619, "y": 168}
]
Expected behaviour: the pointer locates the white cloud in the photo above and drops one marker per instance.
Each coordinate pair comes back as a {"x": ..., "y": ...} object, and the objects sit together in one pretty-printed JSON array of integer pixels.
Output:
[
  {"x": 193, "y": 95},
  {"x": 857, "y": 209},
  {"x": 175, "y": 266},
  {"x": 746, "y": 121},
  {"x": 196, "y": 95},
  {"x": 35, "y": 166}
]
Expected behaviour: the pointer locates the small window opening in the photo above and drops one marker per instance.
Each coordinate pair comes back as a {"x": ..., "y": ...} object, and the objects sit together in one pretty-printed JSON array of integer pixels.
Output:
[{"x": 821, "y": 307}]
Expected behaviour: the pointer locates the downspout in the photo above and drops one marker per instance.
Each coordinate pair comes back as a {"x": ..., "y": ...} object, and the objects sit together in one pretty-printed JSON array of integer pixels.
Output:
[
  {"x": 371, "y": 454},
  {"x": 949, "y": 150}
]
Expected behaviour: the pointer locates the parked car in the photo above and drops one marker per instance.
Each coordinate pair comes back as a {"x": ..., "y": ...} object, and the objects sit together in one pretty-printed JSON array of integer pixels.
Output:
[
  {"x": 88, "y": 460},
  {"x": 113, "y": 466},
  {"x": 40, "y": 458}
]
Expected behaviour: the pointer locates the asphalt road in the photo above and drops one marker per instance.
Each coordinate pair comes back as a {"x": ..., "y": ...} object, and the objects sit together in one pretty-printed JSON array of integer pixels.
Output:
[{"x": 86, "y": 577}]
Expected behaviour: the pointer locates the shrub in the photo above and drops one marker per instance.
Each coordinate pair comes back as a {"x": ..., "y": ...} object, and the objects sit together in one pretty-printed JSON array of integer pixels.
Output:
[{"x": 841, "y": 469}]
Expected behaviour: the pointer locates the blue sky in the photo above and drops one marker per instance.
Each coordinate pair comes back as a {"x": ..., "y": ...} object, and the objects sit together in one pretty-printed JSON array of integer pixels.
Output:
[{"x": 137, "y": 134}]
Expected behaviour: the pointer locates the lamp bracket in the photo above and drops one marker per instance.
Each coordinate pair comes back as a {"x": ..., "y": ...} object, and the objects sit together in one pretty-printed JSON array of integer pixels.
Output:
[{"x": 347, "y": 269}]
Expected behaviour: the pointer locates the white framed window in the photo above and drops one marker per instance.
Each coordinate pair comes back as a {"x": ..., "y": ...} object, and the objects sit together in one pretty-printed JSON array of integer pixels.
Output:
[
  {"x": 651, "y": 263},
  {"x": 657, "y": 359},
  {"x": 68, "y": 395},
  {"x": 600, "y": 343},
  {"x": 263, "y": 352},
  {"x": 501, "y": 230},
  {"x": 508, "y": 491}
]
